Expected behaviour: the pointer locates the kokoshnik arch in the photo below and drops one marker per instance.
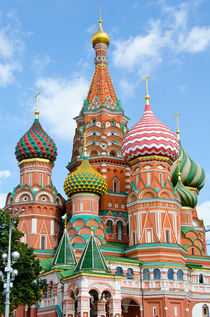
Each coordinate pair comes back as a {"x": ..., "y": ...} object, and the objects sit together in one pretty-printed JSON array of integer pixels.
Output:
[{"x": 132, "y": 244}]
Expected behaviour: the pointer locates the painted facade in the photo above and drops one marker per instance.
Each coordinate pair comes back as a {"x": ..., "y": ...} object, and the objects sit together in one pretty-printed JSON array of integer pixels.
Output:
[{"x": 132, "y": 243}]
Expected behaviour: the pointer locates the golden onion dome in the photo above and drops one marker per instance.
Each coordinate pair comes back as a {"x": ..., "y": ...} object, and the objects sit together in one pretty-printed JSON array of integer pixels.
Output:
[
  {"x": 100, "y": 36},
  {"x": 85, "y": 179}
]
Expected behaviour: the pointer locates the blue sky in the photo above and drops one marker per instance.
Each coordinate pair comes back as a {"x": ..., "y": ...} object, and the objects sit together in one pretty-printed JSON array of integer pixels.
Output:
[{"x": 46, "y": 46}]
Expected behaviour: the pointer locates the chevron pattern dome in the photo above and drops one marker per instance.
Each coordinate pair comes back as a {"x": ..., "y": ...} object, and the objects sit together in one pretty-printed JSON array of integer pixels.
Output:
[
  {"x": 150, "y": 137},
  {"x": 192, "y": 174},
  {"x": 85, "y": 179},
  {"x": 36, "y": 143}
]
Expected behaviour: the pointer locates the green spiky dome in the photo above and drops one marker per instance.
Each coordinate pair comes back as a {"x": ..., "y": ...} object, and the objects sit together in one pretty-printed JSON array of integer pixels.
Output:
[
  {"x": 85, "y": 179},
  {"x": 192, "y": 174},
  {"x": 188, "y": 198}
]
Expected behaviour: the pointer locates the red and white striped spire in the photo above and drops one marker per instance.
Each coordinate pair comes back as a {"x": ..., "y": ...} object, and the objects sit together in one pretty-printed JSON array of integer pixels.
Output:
[{"x": 149, "y": 136}]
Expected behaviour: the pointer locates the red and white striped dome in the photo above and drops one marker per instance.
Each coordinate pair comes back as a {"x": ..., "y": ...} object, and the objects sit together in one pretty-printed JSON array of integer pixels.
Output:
[{"x": 149, "y": 136}]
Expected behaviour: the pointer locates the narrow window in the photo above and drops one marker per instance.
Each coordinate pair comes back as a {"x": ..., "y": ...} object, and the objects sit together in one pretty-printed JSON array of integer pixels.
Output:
[
  {"x": 170, "y": 274},
  {"x": 119, "y": 230},
  {"x": 187, "y": 218},
  {"x": 201, "y": 278},
  {"x": 149, "y": 236},
  {"x": 156, "y": 274},
  {"x": 128, "y": 228},
  {"x": 81, "y": 206},
  {"x": 34, "y": 225},
  {"x": 91, "y": 206},
  {"x": 154, "y": 311},
  {"x": 167, "y": 237},
  {"x": 115, "y": 187},
  {"x": 205, "y": 310},
  {"x": 118, "y": 271},
  {"x": 134, "y": 238},
  {"x": 109, "y": 226},
  {"x": 129, "y": 274},
  {"x": 180, "y": 275},
  {"x": 52, "y": 227},
  {"x": 193, "y": 251},
  {"x": 30, "y": 178},
  {"x": 146, "y": 275},
  {"x": 73, "y": 206},
  {"x": 41, "y": 179},
  {"x": 148, "y": 178},
  {"x": 137, "y": 179},
  {"x": 161, "y": 178},
  {"x": 175, "y": 311},
  {"x": 43, "y": 243}
]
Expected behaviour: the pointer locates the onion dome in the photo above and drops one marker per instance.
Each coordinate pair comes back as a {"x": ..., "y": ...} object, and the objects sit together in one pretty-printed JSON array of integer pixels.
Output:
[
  {"x": 192, "y": 174},
  {"x": 149, "y": 136},
  {"x": 188, "y": 198},
  {"x": 85, "y": 179},
  {"x": 36, "y": 143},
  {"x": 100, "y": 36}
]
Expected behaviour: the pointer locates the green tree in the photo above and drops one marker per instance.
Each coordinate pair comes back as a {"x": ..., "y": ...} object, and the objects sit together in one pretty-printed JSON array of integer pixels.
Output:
[{"x": 27, "y": 287}]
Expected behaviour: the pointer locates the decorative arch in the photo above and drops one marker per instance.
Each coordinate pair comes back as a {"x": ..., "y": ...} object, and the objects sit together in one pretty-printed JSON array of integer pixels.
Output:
[
  {"x": 132, "y": 197},
  {"x": 79, "y": 223},
  {"x": 44, "y": 193},
  {"x": 77, "y": 240},
  {"x": 119, "y": 229},
  {"x": 165, "y": 194},
  {"x": 147, "y": 193},
  {"x": 115, "y": 184},
  {"x": 17, "y": 198}
]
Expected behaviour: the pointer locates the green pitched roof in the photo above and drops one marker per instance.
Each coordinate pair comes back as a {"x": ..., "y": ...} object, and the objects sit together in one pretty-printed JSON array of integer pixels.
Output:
[
  {"x": 92, "y": 258},
  {"x": 64, "y": 255}
]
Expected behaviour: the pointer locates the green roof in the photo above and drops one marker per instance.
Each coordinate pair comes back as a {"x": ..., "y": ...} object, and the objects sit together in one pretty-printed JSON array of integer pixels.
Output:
[
  {"x": 64, "y": 255},
  {"x": 122, "y": 259},
  {"x": 186, "y": 229},
  {"x": 46, "y": 263},
  {"x": 92, "y": 258}
]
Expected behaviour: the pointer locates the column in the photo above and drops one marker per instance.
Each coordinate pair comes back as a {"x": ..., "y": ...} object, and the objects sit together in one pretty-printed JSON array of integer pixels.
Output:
[
  {"x": 83, "y": 305},
  {"x": 69, "y": 307},
  {"x": 115, "y": 307},
  {"x": 101, "y": 307}
]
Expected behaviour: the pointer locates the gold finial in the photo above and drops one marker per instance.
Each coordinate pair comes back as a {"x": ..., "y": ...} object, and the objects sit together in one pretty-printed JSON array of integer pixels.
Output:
[
  {"x": 179, "y": 173},
  {"x": 91, "y": 225},
  {"x": 65, "y": 222},
  {"x": 147, "y": 97},
  {"x": 37, "y": 111},
  {"x": 100, "y": 20},
  {"x": 177, "y": 122},
  {"x": 85, "y": 145}
]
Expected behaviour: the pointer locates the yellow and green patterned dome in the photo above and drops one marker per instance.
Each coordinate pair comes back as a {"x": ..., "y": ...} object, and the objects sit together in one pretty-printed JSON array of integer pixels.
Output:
[{"x": 85, "y": 179}]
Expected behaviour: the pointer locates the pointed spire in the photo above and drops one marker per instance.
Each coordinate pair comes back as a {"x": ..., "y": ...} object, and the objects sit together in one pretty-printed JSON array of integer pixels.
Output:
[
  {"x": 100, "y": 36},
  {"x": 147, "y": 97},
  {"x": 36, "y": 112},
  {"x": 92, "y": 258},
  {"x": 177, "y": 130},
  {"x": 64, "y": 255}
]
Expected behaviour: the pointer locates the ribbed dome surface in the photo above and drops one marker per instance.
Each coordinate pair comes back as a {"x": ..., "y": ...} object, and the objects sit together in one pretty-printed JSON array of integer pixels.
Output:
[
  {"x": 150, "y": 137},
  {"x": 36, "y": 143},
  {"x": 85, "y": 179},
  {"x": 192, "y": 174},
  {"x": 188, "y": 199}
]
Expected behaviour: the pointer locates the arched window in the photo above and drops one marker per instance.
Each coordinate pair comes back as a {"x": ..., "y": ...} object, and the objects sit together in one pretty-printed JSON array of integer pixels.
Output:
[
  {"x": 115, "y": 187},
  {"x": 128, "y": 228},
  {"x": 109, "y": 228},
  {"x": 43, "y": 243},
  {"x": 146, "y": 275},
  {"x": 93, "y": 153},
  {"x": 81, "y": 206},
  {"x": 156, "y": 274},
  {"x": 129, "y": 274},
  {"x": 119, "y": 230},
  {"x": 205, "y": 309},
  {"x": 180, "y": 275},
  {"x": 41, "y": 179},
  {"x": 118, "y": 271},
  {"x": 91, "y": 206},
  {"x": 51, "y": 291},
  {"x": 113, "y": 153},
  {"x": 193, "y": 251},
  {"x": 201, "y": 279},
  {"x": 170, "y": 274}
]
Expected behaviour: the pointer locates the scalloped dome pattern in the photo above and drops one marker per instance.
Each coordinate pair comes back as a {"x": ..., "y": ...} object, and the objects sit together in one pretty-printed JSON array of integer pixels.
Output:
[
  {"x": 188, "y": 199},
  {"x": 85, "y": 179},
  {"x": 36, "y": 143},
  {"x": 150, "y": 137},
  {"x": 192, "y": 174}
]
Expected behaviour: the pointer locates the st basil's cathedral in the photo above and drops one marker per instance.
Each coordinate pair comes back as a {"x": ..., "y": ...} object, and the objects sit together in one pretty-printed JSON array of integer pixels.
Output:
[{"x": 131, "y": 243}]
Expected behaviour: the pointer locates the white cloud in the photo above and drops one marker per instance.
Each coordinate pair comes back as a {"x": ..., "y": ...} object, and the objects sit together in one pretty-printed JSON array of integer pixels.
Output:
[
  {"x": 171, "y": 34},
  {"x": 3, "y": 197},
  {"x": 11, "y": 48},
  {"x": 60, "y": 101},
  {"x": 204, "y": 212},
  {"x": 5, "y": 174},
  {"x": 39, "y": 63}
]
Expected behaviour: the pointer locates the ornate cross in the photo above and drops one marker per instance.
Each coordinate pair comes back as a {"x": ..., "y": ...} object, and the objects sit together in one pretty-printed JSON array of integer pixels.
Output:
[
  {"x": 146, "y": 79},
  {"x": 177, "y": 119},
  {"x": 37, "y": 111}
]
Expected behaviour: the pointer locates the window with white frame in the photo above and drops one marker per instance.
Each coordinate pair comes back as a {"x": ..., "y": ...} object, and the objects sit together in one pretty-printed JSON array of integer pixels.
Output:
[
  {"x": 91, "y": 206},
  {"x": 52, "y": 227},
  {"x": 148, "y": 178},
  {"x": 149, "y": 235},
  {"x": 81, "y": 205},
  {"x": 30, "y": 179},
  {"x": 34, "y": 225},
  {"x": 154, "y": 311},
  {"x": 41, "y": 179}
]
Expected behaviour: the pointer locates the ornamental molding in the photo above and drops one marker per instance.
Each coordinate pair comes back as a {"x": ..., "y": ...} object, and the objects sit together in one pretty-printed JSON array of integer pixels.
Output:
[
  {"x": 45, "y": 193},
  {"x": 24, "y": 193}
]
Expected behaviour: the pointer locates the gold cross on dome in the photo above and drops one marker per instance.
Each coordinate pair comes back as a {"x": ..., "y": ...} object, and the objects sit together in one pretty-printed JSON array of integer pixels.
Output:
[
  {"x": 177, "y": 124},
  {"x": 85, "y": 144},
  {"x": 37, "y": 111},
  {"x": 100, "y": 14},
  {"x": 146, "y": 79}
]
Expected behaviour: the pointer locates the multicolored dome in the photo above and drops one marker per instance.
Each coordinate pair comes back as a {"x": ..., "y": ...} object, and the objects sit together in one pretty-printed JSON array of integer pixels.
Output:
[
  {"x": 85, "y": 179},
  {"x": 192, "y": 174},
  {"x": 36, "y": 143},
  {"x": 150, "y": 137},
  {"x": 188, "y": 198}
]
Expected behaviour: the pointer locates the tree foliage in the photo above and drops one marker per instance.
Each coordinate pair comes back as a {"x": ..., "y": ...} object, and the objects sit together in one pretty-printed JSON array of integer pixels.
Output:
[{"x": 27, "y": 288}]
